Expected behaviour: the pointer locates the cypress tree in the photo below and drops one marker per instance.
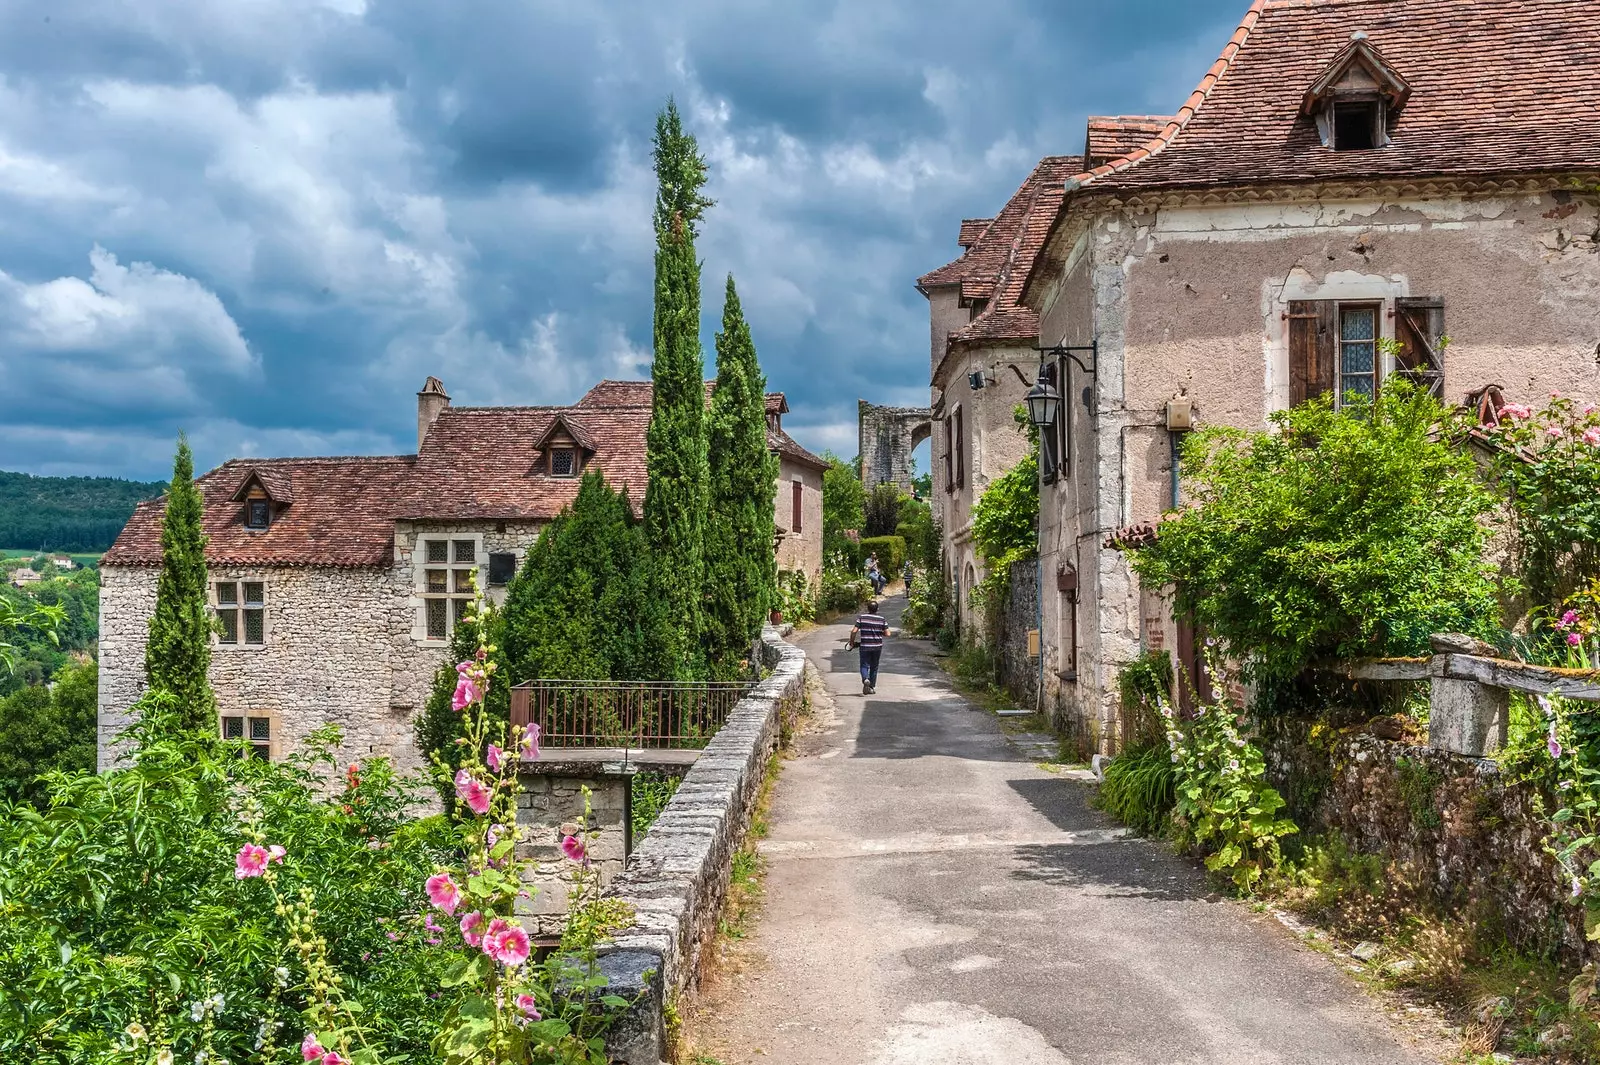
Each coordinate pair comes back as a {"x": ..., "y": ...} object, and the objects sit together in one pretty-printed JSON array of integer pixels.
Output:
[
  {"x": 178, "y": 653},
  {"x": 740, "y": 567},
  {"x": 675, "y": 497}
]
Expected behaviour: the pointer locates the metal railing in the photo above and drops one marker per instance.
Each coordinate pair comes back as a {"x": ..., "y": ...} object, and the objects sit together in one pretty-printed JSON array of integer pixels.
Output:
[{"x": 642, "y": 714}]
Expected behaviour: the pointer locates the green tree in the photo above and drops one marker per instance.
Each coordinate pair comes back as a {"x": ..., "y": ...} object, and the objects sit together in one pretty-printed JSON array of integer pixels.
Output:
[
  {"x": 43, "y": 729},
  {"x": 675, "y": 499},
  {"x": 178, "y": 653},
  {"x": 580, "y": 607},
  {"x": 741, "y": 572},
  {"x": 843, "y": 507}
]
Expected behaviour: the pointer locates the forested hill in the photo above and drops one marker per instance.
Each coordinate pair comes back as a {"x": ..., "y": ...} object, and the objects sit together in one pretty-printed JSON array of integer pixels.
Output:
[{"x": 67, "y": 513}]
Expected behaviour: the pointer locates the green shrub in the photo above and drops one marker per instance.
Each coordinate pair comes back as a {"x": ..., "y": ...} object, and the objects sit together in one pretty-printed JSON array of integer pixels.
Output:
[
  {"x": 881, "y": 511},
  {"x": 843, "y": 510},
  {"x": 651, "y": 792},
  {"x": 891, "y": 552},
  {"x": 1337, "y": 534},
  {"x": 1144, "y": 685},
  {"x": 842, "y": 591},
  {"x": 929, "y": 603},
  {"x": 1140, "y": 787},
  {"x": 45, "y": 729},
  {"x": 795, "y": 598}
]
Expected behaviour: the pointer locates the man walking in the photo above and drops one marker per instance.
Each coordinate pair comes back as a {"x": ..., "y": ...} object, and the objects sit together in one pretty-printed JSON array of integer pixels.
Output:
[{"x": 869, "y": 633}]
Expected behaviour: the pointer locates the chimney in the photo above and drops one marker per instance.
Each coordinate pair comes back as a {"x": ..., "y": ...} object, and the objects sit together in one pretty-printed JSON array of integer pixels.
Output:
[{"x": 430, "y": 401}]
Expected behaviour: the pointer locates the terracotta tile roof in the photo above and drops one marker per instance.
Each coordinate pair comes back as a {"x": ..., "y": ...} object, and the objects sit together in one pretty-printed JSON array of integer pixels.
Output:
[
  {"x": 275, "y": 481},
  {"x": 777, "y": 403},
  {"x": 971, "y": 230},
  {"x": 1034, "y": 208},
  {"x": 1497, "y": 87},
  {"x": 979, "y": 266},
  {"x": 787, "y": 447},
  {"x": 343, "y": 516},
  {"x": 1113, "y": 136}
]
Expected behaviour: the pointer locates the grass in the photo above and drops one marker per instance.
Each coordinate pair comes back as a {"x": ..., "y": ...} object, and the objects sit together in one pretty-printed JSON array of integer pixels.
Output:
[{"x": 81, "y": 558}]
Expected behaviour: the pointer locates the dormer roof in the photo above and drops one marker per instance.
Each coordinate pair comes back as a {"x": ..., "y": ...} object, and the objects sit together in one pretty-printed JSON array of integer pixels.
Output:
[
  {"x": 1358, "y": 70},
  {"x": 971, "y": 230},
  {"x": 274, "y": 481},
  {"x": 565, "y": 424}
]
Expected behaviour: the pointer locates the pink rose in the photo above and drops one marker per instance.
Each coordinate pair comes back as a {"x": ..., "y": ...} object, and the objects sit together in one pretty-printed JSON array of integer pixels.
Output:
[
  {"x": 529, "y": 1008},
  {"x": 574, "y": 849},
  {"x": 1516, "y": 410},
  {"x": 510, "y": 946},
  {"x": 493, "y": 757},
  {"x": 250, "y": 861},
  {"x": 469, "y": 928},
  {"x": 472, "y": 792},
  {"x": 443, "y": 893},
  {"x": 310, "y": 1049},
  {"x": 1554, "y": 430},
  {"x": 530, "y": 741},
  {"x": 1591, "y": 435}
]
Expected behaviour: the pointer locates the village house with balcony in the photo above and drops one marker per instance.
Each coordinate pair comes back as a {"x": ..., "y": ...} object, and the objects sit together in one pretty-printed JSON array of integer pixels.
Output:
[
  {"x": 337, "y": 582},
  {"x": 1348, "y": 173}
]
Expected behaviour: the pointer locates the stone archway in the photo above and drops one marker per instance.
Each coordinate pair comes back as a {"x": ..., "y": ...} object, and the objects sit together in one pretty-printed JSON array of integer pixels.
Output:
[{"x": 887, "y": 436}]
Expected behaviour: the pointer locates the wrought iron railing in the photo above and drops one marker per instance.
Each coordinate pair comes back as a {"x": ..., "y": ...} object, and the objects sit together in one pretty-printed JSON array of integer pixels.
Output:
[{"x": 642, "y": 714}]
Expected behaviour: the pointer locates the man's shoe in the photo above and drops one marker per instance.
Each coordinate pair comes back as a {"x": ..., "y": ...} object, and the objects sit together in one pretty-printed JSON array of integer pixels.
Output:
[
  {"x": 866, "y": 689},
  {"x": 871, "y": 688}
]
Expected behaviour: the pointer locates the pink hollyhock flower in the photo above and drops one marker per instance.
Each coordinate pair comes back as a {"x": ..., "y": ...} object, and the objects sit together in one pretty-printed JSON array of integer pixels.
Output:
[
  {"x": 1573, "y": 639},
  {"x": 574, "y": 849},
  {"x": 276, "y": 853},
  {"x": 1577, "y": 887},
  {"x": 530, "y": 741},
  {"x": 493, "y": 757},
  {"x": 469, "y": 928},
  {"x": 496, "y": 926},
  {"x": 511, "y": 946},
  {"x": 467, "y": 692},
  {"x": 472, "y": 792},
  {"x": 443, "y": 893},
  {"x": 310, "y": 1049},
  {"x": 250, "y": 861},
  {"x": 1552, "y": 744},
  {"x": 529, "y": 1008},
  {"x": 333, "y": 1057},
  {"x": 1591, "y": 435}
]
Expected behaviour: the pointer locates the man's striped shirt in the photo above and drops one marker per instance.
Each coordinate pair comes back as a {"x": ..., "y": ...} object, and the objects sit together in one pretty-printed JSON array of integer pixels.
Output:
[{"x": 873, "y": 629}]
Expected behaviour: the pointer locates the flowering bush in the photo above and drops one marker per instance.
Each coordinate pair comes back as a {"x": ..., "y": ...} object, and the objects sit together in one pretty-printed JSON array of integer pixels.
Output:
[
  {"x": 1223, "y": 803},
  {"x": 1550, "y": 462},
  {"x": 208, "y": 907}
]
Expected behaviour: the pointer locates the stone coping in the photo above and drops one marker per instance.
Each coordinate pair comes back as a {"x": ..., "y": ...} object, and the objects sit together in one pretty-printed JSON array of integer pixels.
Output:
[{"x": 677, "y": 876}]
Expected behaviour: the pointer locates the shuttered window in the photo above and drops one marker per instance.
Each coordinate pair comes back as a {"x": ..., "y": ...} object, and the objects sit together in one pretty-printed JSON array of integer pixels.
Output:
[
  {"x": 1334, "y": 346},
  {"x": 797, "y": 491}
]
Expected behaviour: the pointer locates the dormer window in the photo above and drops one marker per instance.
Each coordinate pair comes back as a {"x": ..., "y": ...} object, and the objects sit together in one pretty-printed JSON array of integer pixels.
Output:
[
  {"x": 1355, "y": 98},
  {"x": 258, "y": 514},
  {"x": 563, "y": 462}
]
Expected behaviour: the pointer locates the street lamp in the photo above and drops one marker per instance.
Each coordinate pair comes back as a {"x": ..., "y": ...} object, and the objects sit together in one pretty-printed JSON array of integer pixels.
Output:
[{"x": 1043, "y": 403}]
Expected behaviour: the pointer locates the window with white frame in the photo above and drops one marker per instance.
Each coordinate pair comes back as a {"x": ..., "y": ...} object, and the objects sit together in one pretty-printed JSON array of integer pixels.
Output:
[
  {"x": 241, "y": 608},
  {"x": 448, "y": 571},
  {"x": 257, "y": 730}
]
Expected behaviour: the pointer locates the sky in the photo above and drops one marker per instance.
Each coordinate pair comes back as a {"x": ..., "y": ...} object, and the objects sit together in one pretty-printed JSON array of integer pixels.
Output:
[{"x": 266, "y": 222}]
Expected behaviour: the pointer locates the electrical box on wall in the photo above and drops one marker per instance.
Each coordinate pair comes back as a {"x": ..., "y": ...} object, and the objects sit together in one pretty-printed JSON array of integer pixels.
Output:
[
  {"x": 1180, "y": 414},
  {"x": 1033, "y": 643}
]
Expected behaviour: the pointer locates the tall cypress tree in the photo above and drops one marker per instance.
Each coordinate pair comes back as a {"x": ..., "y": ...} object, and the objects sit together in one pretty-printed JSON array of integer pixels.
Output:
[
  {"x": 179, "y": 649},
  {"x": 675, "y": 497},
  {"x": 740, "y": 567}
]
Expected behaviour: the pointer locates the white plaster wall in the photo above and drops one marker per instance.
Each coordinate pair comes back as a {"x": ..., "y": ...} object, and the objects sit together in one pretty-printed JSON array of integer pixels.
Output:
[{"x": 803, "y": 550}]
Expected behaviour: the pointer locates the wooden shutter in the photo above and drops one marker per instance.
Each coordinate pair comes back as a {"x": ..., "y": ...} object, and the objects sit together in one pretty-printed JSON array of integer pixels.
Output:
[
  {"x": 794, "y": 517},
  {"x": 949, "y": 453},
  {"x": 961, "y": 452},
  {"x": 1313, "y": 344},
  {"x": 1419, "y": 326}
]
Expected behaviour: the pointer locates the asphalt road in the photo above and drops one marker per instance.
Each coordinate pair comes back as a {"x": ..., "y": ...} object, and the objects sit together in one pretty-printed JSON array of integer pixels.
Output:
[{"x": 934, "y": 898}]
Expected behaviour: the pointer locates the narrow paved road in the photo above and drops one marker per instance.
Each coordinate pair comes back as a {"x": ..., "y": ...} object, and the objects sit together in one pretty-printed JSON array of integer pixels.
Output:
[{"x": 934, "y": 898}]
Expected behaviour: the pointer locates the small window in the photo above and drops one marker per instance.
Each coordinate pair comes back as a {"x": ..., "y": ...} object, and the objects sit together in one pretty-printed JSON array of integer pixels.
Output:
[
  {"x": 1355, "y": 125},
  {"x": 438, "y": 629},
  {"x": 563, "y": 462},
  {"x": 241, "y": 612},
  {"x": 465, "y": 551},
  {"x": 258, "y": 514},
  {"x": 502, "y": 567},
  {"x": 1358, "y": 350},
  {"x": 258, "y": 729},
  {"x": 446, "y": 584},
  {"x": 438, "y": 550}
]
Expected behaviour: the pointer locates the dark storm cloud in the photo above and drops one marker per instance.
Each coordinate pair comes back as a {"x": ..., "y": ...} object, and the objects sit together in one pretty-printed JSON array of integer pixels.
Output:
[{"x": 266, "y": 223}]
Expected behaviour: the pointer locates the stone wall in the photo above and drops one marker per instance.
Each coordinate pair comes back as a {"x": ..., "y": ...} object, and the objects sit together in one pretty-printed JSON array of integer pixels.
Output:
[
  {"x": 1464, "y": 834},
  {"x": 127, "y": 599},
  {"x": 549, "y": 806},
  {"x": 800, "y": 551},
  {"x": 1019, "y": 671},
  {"x": 887, "y": 436},
  {"x": 678, "y": 874}
]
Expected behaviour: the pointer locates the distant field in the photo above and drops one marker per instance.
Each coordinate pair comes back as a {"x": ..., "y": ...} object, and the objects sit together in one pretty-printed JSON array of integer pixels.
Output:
[{"x": 80, "y": 559}]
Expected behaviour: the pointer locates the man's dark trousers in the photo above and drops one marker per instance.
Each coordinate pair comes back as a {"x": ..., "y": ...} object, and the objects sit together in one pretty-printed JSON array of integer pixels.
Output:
[{"x": 869, "y": 664}]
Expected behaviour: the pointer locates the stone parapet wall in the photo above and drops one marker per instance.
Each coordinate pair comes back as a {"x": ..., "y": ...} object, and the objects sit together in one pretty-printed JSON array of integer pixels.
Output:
[
  {"x": 678, "y": 875},
  {"x": 1019, "y": 671},
  {"x": 1468, "y": 837}
]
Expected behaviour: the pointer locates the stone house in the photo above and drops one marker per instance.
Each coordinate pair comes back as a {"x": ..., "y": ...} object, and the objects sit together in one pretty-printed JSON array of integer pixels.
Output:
[
  {"x": 983, "y": 360},
  {"x": 1348, "y": 173},
  {"x": 337, "y": 582}
]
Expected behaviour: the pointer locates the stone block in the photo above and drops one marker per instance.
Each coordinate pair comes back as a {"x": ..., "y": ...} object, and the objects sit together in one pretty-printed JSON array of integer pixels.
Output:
[{"x": 1465, "y": 717}]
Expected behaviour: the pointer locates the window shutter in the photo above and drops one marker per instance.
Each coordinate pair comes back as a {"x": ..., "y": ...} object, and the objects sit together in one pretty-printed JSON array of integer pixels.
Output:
[
  {"x": 1313, "y": 333},
  {"x": 798, "y": 493},
  {"x": 502, "y": 567},
  {"x": 1419, "y": 325}
]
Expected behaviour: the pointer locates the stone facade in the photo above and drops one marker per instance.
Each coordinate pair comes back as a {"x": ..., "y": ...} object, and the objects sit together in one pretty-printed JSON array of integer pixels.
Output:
[
  {"x": 550, "y": 807},
  {"x": 1018, "y": 667},
  {"x": 345, "y": 645},
  {"x": 1191, "y": 298},
  {"x": 799, "y": 546}
]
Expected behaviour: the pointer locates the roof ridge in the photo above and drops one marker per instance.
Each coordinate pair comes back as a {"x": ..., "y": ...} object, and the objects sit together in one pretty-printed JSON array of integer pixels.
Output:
[
  {"x": 1182, "y": 115},
  {"x": 306, "y": 459}
]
